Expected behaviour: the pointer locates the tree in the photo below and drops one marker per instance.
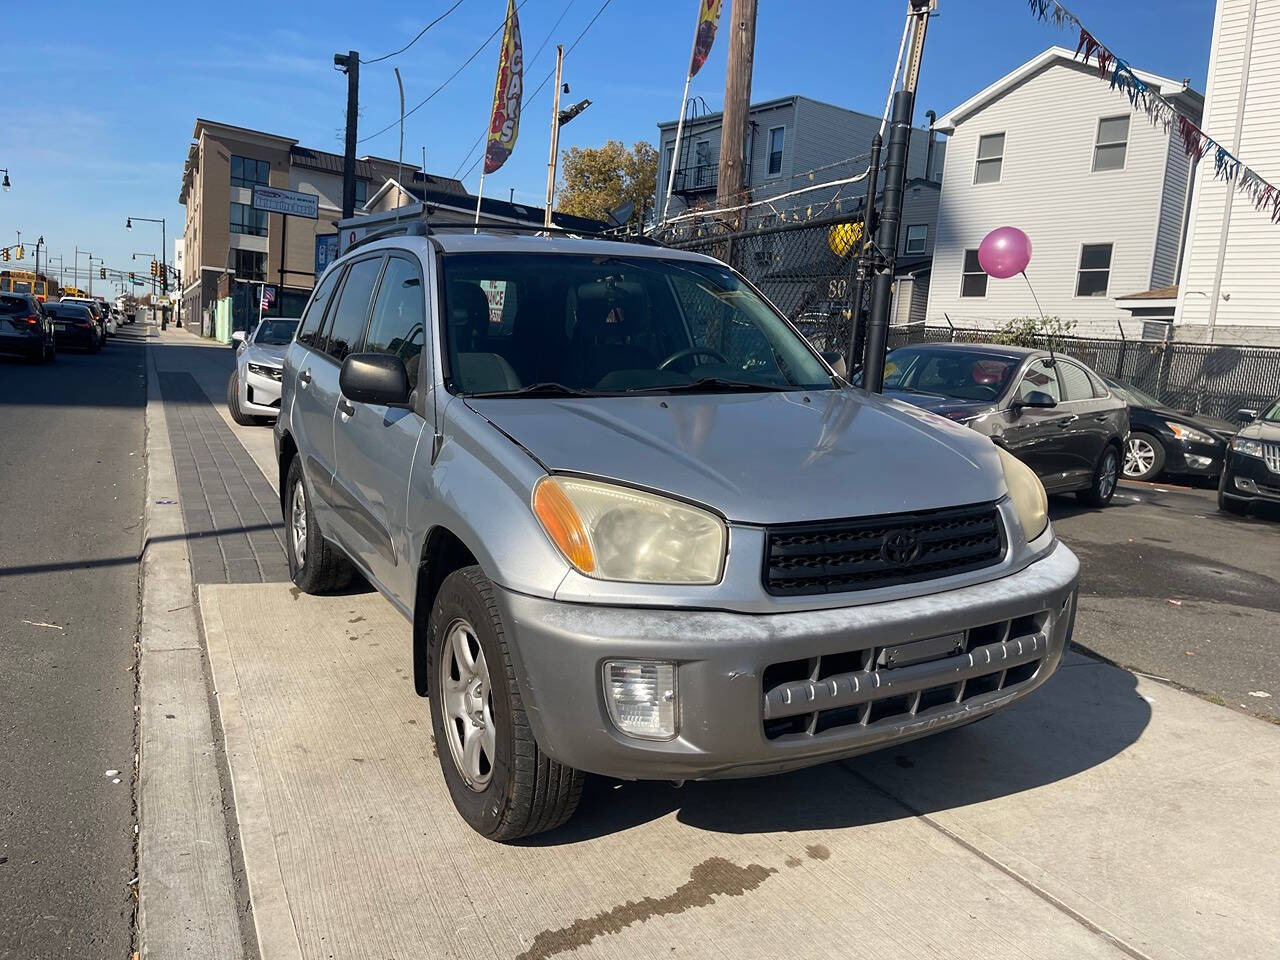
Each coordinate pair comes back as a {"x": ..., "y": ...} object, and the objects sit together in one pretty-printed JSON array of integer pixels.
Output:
[{"x": 597, "y": 180}]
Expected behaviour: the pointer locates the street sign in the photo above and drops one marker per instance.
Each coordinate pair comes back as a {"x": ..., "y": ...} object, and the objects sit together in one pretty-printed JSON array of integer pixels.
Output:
[
  {"x": 288, "y": 202},
  {"x": 326, "y": 251}
]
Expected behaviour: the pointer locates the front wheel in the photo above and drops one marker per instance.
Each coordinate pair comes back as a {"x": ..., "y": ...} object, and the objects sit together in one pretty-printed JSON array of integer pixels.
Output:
[
  {"x": 1143, "y": 457},
  {"x": 233, "y": 402},
  {"x": 1103, "y": 486},
  {"x": 501, "y": 783}
]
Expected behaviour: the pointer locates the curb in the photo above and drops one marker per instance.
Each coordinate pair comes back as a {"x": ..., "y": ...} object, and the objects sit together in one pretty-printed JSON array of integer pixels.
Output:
[{"x": 186, "y": 889}]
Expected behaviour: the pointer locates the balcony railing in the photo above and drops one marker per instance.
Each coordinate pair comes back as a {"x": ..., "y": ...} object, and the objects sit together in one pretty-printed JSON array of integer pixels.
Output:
[{"x": 696, "y": 178}]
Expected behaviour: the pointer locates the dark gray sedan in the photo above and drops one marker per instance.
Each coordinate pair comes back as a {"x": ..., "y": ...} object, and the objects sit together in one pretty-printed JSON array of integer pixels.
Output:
[{"x": 1050, "y": 411}]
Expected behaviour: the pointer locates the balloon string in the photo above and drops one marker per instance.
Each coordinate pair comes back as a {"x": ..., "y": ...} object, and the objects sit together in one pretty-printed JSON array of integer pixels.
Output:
[{"x": 1033, "y": 293}]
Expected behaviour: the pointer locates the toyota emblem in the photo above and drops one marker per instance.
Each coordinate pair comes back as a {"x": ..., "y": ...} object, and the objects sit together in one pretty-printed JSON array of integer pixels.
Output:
[{"x": 900, "y": 547}]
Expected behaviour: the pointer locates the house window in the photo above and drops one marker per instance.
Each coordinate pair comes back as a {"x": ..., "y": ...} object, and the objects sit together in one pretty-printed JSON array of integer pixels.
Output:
[
  {"x": 917, "y": 234},
  {"x": 990, "y": 158},
  {"x": 362, "y": 192},
  {"x": 777, "y": 141},
  {"x": 249, "y": 264},
  {"x": 245, "y": 172},
  {"x": 973, "y": 279},
  {"x": 1112, "y": 143},
  {"x": 703, "y": 170},
  {"x": 248, "y": 221},
  {"x": 1095, "y": 270}
]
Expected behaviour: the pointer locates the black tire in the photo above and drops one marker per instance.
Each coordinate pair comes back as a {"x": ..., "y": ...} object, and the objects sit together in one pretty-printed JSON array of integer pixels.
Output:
[
  {"x": 1229, "y": 504},
  {"x": 1105, "y": 476},
  {"x": 526, "y": 792},
  {"x": 322, "y": 567},
  {"x": 1156, "y": 452},
  {"x": 233, "y": 402}
]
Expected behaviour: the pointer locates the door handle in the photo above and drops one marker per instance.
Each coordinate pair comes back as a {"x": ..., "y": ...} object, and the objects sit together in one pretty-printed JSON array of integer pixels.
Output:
[
  {"x": 346, "y": 407},
  {"x": 1068, "y": 421},
  {"x": 304, "y": 378}
]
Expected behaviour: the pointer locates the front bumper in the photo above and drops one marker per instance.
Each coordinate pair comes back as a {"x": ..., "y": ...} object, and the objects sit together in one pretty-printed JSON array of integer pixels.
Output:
[
  {"x": 743, "y": 708},
  {"x": 1191, "y": 458},
  {"x": 259, "y": 395},
  {"x": 1249, "y": 478}
]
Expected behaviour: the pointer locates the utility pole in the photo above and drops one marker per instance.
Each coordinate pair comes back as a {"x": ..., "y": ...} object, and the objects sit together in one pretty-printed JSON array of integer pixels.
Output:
[
  {"x": 349, "y": 63},
  {"x": 555, "y": 137},
  {"x": 737, "y": 104},
  {"x": 866, "y": 257},
  {"x": 895, "y": 180}
]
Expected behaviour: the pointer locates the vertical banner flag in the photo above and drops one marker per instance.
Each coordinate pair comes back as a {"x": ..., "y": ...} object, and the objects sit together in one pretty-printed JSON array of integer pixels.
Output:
[
  {"x": 708, "y": 19},
  {"x": 504, "y": 122}
]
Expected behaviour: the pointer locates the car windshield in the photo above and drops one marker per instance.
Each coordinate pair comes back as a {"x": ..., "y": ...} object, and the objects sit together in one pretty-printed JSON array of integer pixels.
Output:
[
  {"x": 521, "y": 324},
  {"x": 1132, "y": 395},
  {"x": 275, "y": 333},
  {"x": 959, "y": 374},
  {"x": 1273, "y": 414}
]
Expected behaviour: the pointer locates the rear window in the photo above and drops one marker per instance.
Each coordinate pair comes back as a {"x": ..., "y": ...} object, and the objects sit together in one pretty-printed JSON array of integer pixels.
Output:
[{"x": 14, "y": 306}]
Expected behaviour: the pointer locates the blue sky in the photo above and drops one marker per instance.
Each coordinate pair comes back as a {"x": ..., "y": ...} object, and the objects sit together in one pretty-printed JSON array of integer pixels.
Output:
[{"x": 97, "y": 119}]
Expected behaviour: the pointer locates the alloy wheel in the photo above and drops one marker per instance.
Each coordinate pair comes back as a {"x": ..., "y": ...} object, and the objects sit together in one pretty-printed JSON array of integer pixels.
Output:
[
  {"x": 1107, "y": 481},
  {"x": 466, "y": 704},
  {"x": 298, "y": 523},
  {"x": 1139, "y": 457}
]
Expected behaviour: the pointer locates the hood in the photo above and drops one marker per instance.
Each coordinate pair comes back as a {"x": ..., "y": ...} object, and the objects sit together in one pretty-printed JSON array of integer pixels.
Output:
[
  {"x": 1215, "y": 425},
  {"x": 268, "y": 354},
  {"x": 761, "y": 458},
  {"x": 1262, "y": 430},
  {"x": 949, "y": 407}
]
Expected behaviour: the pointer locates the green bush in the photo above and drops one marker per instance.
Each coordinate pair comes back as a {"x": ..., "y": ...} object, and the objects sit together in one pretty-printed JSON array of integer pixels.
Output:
[{"x": 1032, "y": 331}]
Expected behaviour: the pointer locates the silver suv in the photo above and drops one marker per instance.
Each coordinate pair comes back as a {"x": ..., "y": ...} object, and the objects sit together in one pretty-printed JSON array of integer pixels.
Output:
[{"x": 640, "y": 528}]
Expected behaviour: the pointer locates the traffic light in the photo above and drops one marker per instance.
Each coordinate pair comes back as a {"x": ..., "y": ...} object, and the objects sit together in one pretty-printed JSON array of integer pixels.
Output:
[
  {"x": 155, "y": 269},
  {"x": 102, "y": 273},
  {"x": 5, "y": 253},
  {"x": 131, "y": 277},
  {"x": 22, "y": 254}
]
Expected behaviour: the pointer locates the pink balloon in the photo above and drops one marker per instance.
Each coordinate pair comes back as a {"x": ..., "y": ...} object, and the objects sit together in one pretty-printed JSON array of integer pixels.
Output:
[{"x": 1004, "y": 252}]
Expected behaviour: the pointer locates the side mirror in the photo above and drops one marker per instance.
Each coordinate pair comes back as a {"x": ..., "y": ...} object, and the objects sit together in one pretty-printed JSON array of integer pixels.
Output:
[
  {"x": 238, "y": 337},
  {"x": 1246, "y": 416},
  {"x": 1035, "y": 399},
  {"x": 835, "y": 359},
  {"x": 377, "y": 378}
]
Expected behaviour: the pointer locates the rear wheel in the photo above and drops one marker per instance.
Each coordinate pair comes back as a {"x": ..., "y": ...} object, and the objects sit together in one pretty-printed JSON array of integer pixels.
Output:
[
  {"x": 501, "y": 783},
  {"x": 1103, "y": 487},
  {"x": 315, "y": 565},
  {"x": 1143, "y": 457},
  {"x": 233, "y": 402}
]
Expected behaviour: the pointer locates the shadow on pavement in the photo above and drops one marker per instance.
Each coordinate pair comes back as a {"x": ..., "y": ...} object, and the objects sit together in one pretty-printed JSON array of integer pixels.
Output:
[{"x": 1083, "y": 716}]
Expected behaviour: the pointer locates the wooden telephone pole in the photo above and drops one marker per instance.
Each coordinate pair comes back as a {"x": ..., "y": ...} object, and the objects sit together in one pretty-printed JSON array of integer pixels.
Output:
[{"x": 731, "y": 176}]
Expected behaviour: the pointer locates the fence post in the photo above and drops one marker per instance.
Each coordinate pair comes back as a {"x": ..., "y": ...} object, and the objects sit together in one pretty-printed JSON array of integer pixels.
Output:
[{"x": 1124, "y": 346}]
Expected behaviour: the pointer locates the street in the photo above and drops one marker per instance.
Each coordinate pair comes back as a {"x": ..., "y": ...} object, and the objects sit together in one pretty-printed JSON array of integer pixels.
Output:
[{"x": 72, "y": 469}]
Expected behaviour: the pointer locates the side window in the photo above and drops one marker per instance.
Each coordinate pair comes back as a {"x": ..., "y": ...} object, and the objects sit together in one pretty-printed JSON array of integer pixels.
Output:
[
  {"x": 314, "y": 316},
  {"x": 1075, "y": 382},
  {"x": 352, "y": 309},
  {"x": 399, "y": 314},
  {"x": 1042, "y": 378}
]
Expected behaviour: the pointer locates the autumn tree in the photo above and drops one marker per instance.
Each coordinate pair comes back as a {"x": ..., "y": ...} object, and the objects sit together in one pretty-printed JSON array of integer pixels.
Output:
[{"x": 597, "y": 180}]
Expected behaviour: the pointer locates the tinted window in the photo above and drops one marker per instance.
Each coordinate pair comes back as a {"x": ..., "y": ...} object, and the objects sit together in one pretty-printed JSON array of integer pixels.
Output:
[
  {"x": 13, "y": 306},
  {"x": 1075, "y": 382},
  {"x": 399, "y": 313},
  {"x": 1042, "y": 378},
  {"x": 948, "y": 373},
  {"x": 352, "y": 309},
  {"x": 315, "y": 313}
]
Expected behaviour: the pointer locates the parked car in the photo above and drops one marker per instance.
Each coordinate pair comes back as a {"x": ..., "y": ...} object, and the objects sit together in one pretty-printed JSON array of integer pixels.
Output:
[
  {"x": 105, "y": 326},
  {"x": 640, "y": 528},
  {"x": 1251, "y": 473},
  {"x": 25, "y": 330},
  {"x": 253, "y": 389},
  {"x": 1163, "y": 440},
  {"x": 74, "y": 326},
  {"x": 1050, "y": 411}
]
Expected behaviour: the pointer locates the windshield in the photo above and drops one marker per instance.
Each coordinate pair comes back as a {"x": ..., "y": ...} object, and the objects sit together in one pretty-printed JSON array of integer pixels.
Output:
[
  {"x": 959, "y": 374},
  {"x": 1132, "y": 395},
  {"x": 21, "y": 286},
  {"x": 613, "y": 325},
  {"x": 1273, "y": 414},
  {"x": 275, "y": 333}
]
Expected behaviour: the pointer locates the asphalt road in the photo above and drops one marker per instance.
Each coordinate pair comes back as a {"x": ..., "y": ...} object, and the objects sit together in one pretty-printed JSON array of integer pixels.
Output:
[
  {"x": 1174, "y": 589},
  {"x": 72, "y": 475}
]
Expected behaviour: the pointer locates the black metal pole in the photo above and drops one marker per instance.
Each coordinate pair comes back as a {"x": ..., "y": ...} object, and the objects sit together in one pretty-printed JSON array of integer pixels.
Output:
[
  {"x": 865, "y": 248},
  {"x": 895, "y": 179},
  {"x": 351, "y": 65}
]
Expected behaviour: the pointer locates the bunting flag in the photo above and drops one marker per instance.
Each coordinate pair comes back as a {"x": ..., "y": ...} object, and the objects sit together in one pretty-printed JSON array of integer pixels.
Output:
[
  {"x": 1226, "y": 166},
  {"x": 708, "y": 20},
  {"x": 508, "y": 92}
]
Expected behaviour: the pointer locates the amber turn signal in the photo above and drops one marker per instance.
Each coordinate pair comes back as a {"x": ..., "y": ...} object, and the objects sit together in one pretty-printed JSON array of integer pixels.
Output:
[{"x": 564, "y": 526}]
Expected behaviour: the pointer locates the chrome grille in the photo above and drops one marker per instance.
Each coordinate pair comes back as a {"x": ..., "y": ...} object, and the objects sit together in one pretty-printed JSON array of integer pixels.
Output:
[
  {"x": 1271, "y": 454},
  {"x": 860, "y": 554}
]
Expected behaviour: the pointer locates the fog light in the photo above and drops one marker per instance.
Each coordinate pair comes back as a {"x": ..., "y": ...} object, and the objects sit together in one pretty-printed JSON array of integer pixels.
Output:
[
  {"x": 1197, "y": 461},
  {"x": 641, "y": 695},
  {"x": 1247, "y": 485}
]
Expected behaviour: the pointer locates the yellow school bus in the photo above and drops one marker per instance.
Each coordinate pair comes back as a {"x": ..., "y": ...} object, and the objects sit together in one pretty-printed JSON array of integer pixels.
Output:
[{"x": 24, "y": 281}]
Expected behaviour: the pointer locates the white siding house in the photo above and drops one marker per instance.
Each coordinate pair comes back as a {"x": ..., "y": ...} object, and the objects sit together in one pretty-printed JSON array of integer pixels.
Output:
[
  {"x": 1229, "y": 268},
  {"x": 1052, "y": 149}
]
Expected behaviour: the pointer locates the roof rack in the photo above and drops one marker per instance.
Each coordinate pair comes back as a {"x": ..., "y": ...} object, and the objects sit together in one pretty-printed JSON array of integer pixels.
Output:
[
  {"x": 420, "y": 228},
  {"x": 409, "y": 228}
]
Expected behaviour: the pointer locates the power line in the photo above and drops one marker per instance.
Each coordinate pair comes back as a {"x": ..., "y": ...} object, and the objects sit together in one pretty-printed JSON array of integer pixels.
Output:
[
  {"x": 465, "y": 64},
  {"x": 394, "y": 53}
]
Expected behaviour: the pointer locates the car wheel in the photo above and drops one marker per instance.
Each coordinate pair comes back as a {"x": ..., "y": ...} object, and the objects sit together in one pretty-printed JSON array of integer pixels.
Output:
[
  {"x": 501, "y": 783},
  {"x": 1103, "y": 487},
  {"x": 1143, "y": 457},
  {"x": 233, "y": 402},
  {"x": 315, "y": 565},
  {"x": 1229, "y": 504}
]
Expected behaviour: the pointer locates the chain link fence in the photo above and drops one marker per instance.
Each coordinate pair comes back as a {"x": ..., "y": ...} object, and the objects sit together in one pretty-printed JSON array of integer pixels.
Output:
[{"x": 1215, "y": 379}]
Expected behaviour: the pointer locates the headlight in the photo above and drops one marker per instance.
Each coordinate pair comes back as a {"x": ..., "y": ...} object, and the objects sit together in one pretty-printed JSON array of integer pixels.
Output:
[
  {"x": 1027, "y": 493},
  {"x": 612, "y": 532},
  {"x": 1250, "y": 448},
  {"x": 273, "y": 373},
  {"x": 1191, "y": 434}
]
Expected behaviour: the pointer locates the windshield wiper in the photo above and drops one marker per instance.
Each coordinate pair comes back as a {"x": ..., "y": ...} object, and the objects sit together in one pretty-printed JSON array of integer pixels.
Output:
[
  {"x": 715, "y": 385},
  {"x": 538, "y": 390}
]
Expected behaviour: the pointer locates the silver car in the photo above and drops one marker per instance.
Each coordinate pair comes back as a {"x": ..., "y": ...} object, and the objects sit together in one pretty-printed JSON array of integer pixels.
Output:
[
  {"x": 640, "y": 528},
  {"x": 253, "y": 389}
]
